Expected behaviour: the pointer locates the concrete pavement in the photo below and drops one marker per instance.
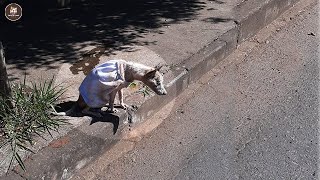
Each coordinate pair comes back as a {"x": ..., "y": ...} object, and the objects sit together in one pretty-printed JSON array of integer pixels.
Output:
[
  {"x": 188, "y": 39},
  {"x": 254, "y": 116}
]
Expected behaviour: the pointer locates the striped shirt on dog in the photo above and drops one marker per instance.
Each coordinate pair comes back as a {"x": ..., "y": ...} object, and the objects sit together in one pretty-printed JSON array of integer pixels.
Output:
[{"x": 100, "y": 82}]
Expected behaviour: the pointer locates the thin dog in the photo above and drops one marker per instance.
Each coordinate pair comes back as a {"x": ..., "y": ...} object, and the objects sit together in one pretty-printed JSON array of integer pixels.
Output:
[{"x": 102, "y": 84}]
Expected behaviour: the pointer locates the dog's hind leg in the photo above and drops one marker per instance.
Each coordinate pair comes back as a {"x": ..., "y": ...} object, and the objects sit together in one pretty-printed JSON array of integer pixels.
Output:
[
  {"x": 79, "y": 104},
  {"x": 86, "y": 110}
]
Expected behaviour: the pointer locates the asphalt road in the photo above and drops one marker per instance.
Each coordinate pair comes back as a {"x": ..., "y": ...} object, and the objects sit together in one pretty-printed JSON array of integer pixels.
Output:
[{"x": 253, "y": 117}]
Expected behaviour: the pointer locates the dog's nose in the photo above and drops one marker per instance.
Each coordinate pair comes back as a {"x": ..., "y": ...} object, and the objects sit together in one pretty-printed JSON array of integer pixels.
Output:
[{"x": 164, "y": 93}]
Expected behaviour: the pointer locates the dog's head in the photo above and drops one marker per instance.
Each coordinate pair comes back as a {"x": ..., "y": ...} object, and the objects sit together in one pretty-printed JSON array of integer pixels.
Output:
[{"x": 154, "y": 80}]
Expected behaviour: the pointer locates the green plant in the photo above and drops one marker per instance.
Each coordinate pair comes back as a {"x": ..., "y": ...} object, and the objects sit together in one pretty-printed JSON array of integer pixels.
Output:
[
  {"x": 27, "y": 114},
  {"x": 133, "y": 85},
  {"x": 145, "y": 90}
]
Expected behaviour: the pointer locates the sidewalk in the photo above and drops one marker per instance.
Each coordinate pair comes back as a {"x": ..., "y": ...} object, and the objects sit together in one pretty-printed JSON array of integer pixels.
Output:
[{"x": 188, "y": 38}]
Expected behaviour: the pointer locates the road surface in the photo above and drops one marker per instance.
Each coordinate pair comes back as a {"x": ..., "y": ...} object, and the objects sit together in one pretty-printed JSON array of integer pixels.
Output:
[{"x": 255, "y": 116}]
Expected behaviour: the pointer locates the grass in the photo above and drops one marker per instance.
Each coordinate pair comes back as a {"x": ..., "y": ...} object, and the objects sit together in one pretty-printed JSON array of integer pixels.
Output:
[
  {"x": 144, "y": 90},
  {"x": 27, "y": 114}
]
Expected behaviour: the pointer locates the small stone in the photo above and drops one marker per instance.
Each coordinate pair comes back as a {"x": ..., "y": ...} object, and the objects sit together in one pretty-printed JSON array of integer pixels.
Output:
[{"x": 311, "y": 34}]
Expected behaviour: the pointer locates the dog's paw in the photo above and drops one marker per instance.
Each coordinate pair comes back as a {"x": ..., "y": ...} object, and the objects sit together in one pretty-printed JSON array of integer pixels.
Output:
[
  {"x": 112, "y": 110},
  {"x": 124, "y": 106}
]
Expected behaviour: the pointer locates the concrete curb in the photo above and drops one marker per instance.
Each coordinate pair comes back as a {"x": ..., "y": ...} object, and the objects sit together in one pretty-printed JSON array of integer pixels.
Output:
[
  {"x": 63, "y": 157},
  {"x": 251, "y": 16}
]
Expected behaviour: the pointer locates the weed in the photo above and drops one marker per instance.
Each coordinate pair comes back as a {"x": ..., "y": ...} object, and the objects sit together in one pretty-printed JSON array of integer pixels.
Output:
[
  {"x": 145, "y": 90},
  {"x": 27, "y": 114}
]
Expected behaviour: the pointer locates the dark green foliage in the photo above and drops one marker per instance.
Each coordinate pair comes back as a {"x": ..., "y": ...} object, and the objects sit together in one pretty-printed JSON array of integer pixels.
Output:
[{"x": 29, "y": 115}]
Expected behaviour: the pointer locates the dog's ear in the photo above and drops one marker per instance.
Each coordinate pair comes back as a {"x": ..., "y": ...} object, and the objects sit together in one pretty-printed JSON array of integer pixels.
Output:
[{"x": 151, "y": 74}]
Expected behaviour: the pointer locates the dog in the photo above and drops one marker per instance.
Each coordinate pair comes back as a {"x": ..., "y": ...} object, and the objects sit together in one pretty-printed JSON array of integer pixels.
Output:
[{"x": 102, "y": 84}]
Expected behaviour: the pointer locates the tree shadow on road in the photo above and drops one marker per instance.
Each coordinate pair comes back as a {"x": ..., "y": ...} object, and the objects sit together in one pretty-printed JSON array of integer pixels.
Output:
[{"x": 45, "y": 37}]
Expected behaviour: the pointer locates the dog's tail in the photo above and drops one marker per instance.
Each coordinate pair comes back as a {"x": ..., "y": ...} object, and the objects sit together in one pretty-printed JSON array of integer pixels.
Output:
[{"x": 66, "y": 113}]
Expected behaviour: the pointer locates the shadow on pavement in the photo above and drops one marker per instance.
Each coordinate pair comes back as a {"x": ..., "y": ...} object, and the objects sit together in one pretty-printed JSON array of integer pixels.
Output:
[
  {"x": 47, "y": 35},
  {"x": 110, "y": 118},
  {"x": 107, "y": 117}
]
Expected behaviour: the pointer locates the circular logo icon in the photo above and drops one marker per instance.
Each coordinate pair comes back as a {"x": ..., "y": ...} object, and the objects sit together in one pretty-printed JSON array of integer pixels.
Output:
[{"x": 13, "y": 12}]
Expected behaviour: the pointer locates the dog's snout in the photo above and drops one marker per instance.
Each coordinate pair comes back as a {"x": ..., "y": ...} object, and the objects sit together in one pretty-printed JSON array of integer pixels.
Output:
[{"x": 164, "y": 92}]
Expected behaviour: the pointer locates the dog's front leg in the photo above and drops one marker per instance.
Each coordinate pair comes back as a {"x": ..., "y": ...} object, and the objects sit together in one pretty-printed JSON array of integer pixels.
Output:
[
  {"x": 122, "y": 105},
  {"x": 111, "y": 101}
]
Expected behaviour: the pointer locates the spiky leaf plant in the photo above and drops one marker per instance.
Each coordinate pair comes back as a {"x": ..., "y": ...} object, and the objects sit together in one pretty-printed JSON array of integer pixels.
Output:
[{"x": 27, "y": 114}]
